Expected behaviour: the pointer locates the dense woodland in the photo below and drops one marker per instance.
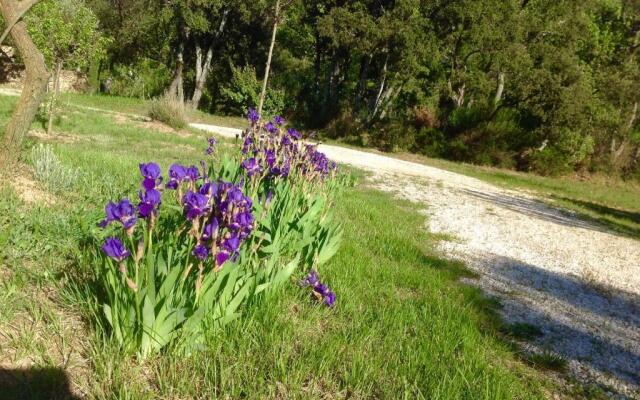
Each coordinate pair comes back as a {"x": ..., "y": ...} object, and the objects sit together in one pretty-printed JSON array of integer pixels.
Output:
[{"x": 550, "y": 86}]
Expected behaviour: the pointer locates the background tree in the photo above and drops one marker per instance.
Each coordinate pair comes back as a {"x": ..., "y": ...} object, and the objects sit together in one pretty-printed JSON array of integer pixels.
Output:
[{"x": 67, "y": 32}]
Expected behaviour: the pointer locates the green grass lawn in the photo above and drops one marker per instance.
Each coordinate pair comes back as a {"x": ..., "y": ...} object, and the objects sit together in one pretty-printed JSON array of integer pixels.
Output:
[
  {"x": 141, "y": 107},
  {"x": 403, "y": 326}
]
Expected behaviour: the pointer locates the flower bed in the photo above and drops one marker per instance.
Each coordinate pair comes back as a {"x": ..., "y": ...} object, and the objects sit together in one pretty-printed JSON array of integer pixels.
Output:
[{"x": 205, "y": 240}]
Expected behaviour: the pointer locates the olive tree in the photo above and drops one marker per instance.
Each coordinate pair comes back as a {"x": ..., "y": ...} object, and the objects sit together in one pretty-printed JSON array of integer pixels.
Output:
[
  {"x": 67, "y": 33},
  {"x": 35, "y": 80}
]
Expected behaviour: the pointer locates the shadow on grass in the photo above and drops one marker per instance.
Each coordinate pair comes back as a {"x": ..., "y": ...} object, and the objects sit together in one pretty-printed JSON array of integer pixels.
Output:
[
  {"x": 604, "y": 215},
  {"x": 35, "y": 383},
  {"x": 534, "y": 208}
]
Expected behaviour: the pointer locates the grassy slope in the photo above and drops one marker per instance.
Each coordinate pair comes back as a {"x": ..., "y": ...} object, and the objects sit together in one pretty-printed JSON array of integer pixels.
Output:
[{"x": 402, "y": 328}]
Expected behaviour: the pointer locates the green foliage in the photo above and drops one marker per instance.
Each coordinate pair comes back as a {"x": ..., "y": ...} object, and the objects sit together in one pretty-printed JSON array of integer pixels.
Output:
[
  {"x": 145, "y": 79},
  {"x": 243, "y": 91},
  {"x": 168, "y": 111},
  {"x": 66, "y": 31}
]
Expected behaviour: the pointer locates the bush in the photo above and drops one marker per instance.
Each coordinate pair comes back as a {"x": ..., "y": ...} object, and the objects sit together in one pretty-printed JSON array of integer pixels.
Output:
[
  {"x": 168, "y": 111},
  {"x": 50, "y": 171},
  {"x": 145, "y": 79},
  {"x": 243, "y": 91},
  {"x": 549, "y": 162}
]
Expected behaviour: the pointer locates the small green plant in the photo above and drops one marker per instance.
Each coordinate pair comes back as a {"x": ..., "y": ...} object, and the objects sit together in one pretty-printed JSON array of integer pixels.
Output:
[
  {"x": 548, "y": 360},
  {"x": 168, "y": 111},
  {"x": 50, "y": 171}
]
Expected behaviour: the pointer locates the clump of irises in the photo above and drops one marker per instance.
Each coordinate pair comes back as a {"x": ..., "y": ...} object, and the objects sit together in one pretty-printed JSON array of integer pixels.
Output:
[
  {"x": 218, "y": 214},
  {"x": 271, "y": 150},
  {"x": 193, "y": 247},
  {"x": 319, "y": 290}
]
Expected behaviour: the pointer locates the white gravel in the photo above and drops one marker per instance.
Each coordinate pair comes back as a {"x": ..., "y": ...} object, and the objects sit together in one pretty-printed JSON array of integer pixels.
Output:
[{"x": 575, "y": 281}]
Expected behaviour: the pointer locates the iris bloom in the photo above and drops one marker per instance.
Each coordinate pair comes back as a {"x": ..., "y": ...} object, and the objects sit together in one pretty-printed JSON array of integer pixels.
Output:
[
  {"x": 195, "y": 205},
  {"x": 253, "y": 116},
  {"x": 177, "y": 175},
  {"x": 123, "y": 212},
  {"x": 151, "y": 173},
  {"x": 200, "y": 252},
  {"x": 251, "y": 166},
  {"x": 149, "y": 202},
  {"x": 114, "y": 248}
]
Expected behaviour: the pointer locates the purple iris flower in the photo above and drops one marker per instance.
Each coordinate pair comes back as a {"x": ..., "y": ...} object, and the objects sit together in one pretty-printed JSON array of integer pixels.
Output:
[
  {"x": 320, "y": 290},
  {"x": 244, "y": 219},
  {"x": 311, "y": 279},
  {"x": 210, "y": 230},
  {"x": 208, "y": 189},
  {"x": 271, "y": 128},
  {"x": 151, "y": 173},
  {"x": 278, "y": 120},
  {"x": 177, "y": 174},
  {"x": 222, "y": 257},
  {"x": 231, "y": 244},
  {"x": 114, "y": 248},
  {"x": 270, "y": 157},
  {"x": 200, "y": 252},
  {"x": 193, "y": 173},
  {"x": 246, "y": 144},
  {"x": 149, "y": 201},
  {"x": 294, "y": 133},
  {"x": 212, "y": 144},
  {"x": 123, "y": 212},
  {"x": 251, "y": 166},
  {"x": 253, "y": 116},
  {"x": 329, "y": 299},
  {"x": 195, "y": 204}
]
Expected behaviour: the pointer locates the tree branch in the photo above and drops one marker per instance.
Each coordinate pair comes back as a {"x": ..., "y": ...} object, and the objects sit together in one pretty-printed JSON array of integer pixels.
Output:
[{"x": 28, "y": 4}]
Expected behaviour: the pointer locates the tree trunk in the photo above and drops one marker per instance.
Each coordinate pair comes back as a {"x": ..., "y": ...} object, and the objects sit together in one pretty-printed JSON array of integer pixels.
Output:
[
  {"x": 33, "y": 91},
  {"x": 498, "y": 98},
  {"x": 176, "y": 89},
  {"x": 616, "y": 153},
  {"x": 24, "y": 7},
  {"x": 376, "y": 104},
  {"x": 360, "y": 92},
  {"x": 203, "y": 68},
  {"x": 263, "y": 93},
  {"x": 54, "y": 97}
]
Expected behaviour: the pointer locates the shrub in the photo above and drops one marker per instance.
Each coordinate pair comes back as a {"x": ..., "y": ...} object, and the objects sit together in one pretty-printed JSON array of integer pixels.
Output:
[
  {"x": 200, "y": 244},
  {"x": 168, "y": 111},
  {"x": 243, "y": 91},
  {"x": 144, "y": 79},
  {"x": 549, "y": 162},
  {"x": 50, "y": 171}
]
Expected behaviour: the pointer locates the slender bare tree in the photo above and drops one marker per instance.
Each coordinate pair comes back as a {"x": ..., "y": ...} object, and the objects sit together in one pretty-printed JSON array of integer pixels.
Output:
[
  {"x": 276, "y": 20},
  {"x": 35, "y": 83}
]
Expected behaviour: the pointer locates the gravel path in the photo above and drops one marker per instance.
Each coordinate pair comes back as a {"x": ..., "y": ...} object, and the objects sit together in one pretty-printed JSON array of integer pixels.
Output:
[{"x": 575, "y": 281}]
